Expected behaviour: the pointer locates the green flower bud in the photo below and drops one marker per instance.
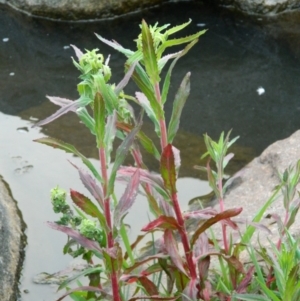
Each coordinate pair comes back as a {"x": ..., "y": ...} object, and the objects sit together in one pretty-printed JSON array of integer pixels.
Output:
[
  {"x": 92, "y": 62},
  {"x": 89, "y": 229},
  {"x": 58, "y": 199}
]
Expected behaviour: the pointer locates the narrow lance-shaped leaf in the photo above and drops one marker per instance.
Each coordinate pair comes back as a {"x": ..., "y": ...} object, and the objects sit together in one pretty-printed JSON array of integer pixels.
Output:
[
  {"x": 87, "y": 119},
  {"x": 162, "y": 222},
  {"x": 104, "y": 294},
  {"x": 81, "y": 102},
  {"x": 150, "y": 59},
  {"x": 179, "y": 102},
  {"x": 115, "y": 45},
  {"x": 127, "y": 199},
  {"x": 86, "y": 271},
  {"x": 145, "y": 104},
  {"x": 172, "y": 249},
  {"x": 69, "y": 149},
  {"x": 120, "y": 156},
  {"x": 91, "y": 185},
  {"x": 146, "y": 142},
  {"x": 218, "y": 217},
  {"x": 178, "y": 27},
  {"x": 59, "y": 101},
  {"x": 179, "y": 41},
  {"x": 149, "y": 286},
  {"x": 167, "y": 80},
  {"x": 109, "y": 96},
  {"x": 191, "y": 291},
  {"x": 78, "y": 52},
  {"x": 99, "y": 117},
  {"x": 167, "y": 168},
  {"x": 110, "y": 134},
  {"x": 146, "y": 177},
  {"x": 87, "y": 206},
  {"x": 141, "y": 79},
  {"x": 83, "y": 241},
  {"x": 125, "y": 80}
]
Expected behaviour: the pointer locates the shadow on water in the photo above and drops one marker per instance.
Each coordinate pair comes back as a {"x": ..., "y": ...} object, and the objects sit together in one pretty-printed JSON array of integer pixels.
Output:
[{"x": 237, "y": 56}]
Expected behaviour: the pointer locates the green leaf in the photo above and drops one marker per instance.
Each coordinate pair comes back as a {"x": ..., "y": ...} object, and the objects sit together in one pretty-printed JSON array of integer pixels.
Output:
[
  {"x": 180, "y": 99},
  {"x": 150, "y": 59},
  {"x": 166, "y": 85},
  {"x": 167, "y": 169},
  {"x": 178, "y": 27},
  {"x": 246, "y": 237},
  {"x": 99, "y": 117},
  {"x": 55, "y": 143},
  {"x": 87, "y": 119},
  {"x": 107, "y": 92},
  {"x": 250, "y": 297},
  {"x": 142, "y": 81},
  {"x": 179, "y": 41},
  {"x": 85, "y": 272}
]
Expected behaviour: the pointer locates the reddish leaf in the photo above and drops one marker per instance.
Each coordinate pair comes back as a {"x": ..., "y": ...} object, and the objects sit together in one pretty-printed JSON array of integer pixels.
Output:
[
  {"x": 59, "y": 101},
  {"x": 246, "y": 281},
  {"x": 120, "y": 156},
  {"x": 85, "y": 242},
  {"x": 149, "y": 286},
  {"x": 144, "y": 260},
  {"x": 218, "y": 217},
  {"x": 91, "y": 185},
  {"x": 146, "y": 177},
  {"x": 64, "y": 109},
  {"x": 191, "y": 291},
  {"x": 125, "y": 80},
  {"x": 127, "y": 199},
  {"x": 235, "y": 263},
  {"x": 78, "y": 52},
  {"x": 87, "y": 206},
  {"x": 167, "y": 168},
  {"x": 163, "y": 222},
  {"x": 172, "y": 250}
]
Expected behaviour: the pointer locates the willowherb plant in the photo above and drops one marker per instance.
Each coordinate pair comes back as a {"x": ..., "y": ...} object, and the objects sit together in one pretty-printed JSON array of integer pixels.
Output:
[{"x": 95, "y": 227}]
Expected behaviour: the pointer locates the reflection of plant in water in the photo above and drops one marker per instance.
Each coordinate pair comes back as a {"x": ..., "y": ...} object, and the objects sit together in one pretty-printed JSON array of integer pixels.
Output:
[{"x": 95, "y": 228}]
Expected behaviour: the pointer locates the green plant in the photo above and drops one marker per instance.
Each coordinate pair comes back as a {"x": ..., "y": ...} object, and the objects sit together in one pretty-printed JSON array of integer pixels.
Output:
[{"x": 96, "y": 226}]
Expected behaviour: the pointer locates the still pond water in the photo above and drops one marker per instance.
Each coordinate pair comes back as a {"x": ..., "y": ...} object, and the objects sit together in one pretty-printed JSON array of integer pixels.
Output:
[{"x": 245, "y": 76}]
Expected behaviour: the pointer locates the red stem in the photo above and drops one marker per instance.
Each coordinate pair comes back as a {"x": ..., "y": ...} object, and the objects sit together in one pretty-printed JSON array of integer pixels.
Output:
[
  {"x": 183, "y": 233},
  {"x": 110, "y": 239},
  {"x": 184, "y": 238}
]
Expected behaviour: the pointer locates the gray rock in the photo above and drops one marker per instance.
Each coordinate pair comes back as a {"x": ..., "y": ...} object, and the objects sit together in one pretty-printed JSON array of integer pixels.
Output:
[
  {"x": 262, "y": 7},
  {"x": 80, "y": 9},
  {"x": 11, "y": 246},
  {"x": 258, "y": 181}
]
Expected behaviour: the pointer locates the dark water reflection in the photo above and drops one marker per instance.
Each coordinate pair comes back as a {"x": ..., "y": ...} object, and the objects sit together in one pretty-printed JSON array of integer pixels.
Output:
[{"x": 232, "y": 60}]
